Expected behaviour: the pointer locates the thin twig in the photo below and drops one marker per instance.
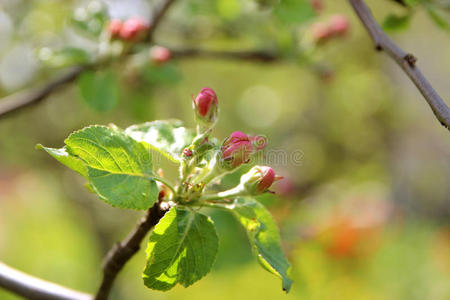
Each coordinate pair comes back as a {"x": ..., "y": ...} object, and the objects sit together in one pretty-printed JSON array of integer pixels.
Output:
[
  {"x": 257, "y": 55},
  {"x": 31, "y": 287},
  {"x": 405, "y": 60},
  {"x": 121, "y": 252},
  {"x": 33, "y": 96}
]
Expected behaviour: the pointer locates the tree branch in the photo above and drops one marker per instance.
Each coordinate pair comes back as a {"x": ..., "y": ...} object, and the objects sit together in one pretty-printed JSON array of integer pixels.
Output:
[
  {"x": 405, "y": 60},
  {"x": 31, "y": 287},
  {"x": 120, "y": 253},
  {"x": 258, "y": 55},
  {"x": 33, "y": 96}
]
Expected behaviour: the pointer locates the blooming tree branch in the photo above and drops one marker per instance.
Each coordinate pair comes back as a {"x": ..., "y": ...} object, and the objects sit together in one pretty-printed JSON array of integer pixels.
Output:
[{"x": 405, "y": 60}]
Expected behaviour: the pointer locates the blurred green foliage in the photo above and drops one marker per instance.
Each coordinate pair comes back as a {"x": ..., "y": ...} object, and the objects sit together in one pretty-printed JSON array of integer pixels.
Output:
[{"x": 364, "y": 209}]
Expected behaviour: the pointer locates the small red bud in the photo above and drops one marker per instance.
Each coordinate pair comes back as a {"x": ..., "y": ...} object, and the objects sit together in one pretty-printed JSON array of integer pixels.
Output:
[
  {"x": 114, "y": 27},
  {"x": 206, "y": 107},
  {"x": 187, "y": 152},
  {"x": 159, "y": 54},
  {"x": 259, "y": 179},
  {"x": 320, "y": 31},
  {"x": 236, "y": 149},
  {"x": 339, "y": 25},
  {"x": 317, "y": 5},
  {"x": 133, "y": 29}
]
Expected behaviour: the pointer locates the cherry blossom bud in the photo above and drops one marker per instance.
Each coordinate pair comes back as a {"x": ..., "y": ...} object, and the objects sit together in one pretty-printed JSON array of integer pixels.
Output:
[
  {"x": 317, "y": 5},
  {"x": 206, "y": 108},
  {"x": 339, "y": 25},
  {"x": 259, "y": 179},
  {"x": 159, "y": 54},
  {"x": 133, "y": 29},
  {"x": 114, "y": 27},
  {"x": 236, "y": 150},
  {"x": 320, "y": 31},
  {"x": 187, "y": 152}
]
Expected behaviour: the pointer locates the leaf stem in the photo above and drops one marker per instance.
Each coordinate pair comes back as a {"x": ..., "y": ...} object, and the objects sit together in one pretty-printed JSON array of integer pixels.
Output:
[{"x": 165, "y": 182}]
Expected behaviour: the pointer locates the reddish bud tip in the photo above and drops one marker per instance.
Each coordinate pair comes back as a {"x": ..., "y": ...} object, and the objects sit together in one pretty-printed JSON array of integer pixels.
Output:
[
  {"x": 339, "y": 24},
  {"x": 133, "y": 28},
  {"x": 206, "y": 108},
  {"x": 187, "y": 152},
  {"x": 236, "y": 149},
  {"x": 320, "y": 31},
  {"x": 160, "y": 54},
  {"x": 267, "y": 178},
  {"x": 114, "y": 27},
  {"x": 317, "y": 5}
]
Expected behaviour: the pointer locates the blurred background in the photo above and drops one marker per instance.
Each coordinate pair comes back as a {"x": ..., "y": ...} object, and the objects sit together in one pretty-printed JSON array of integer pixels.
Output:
[{"x": 364, "y": 209}]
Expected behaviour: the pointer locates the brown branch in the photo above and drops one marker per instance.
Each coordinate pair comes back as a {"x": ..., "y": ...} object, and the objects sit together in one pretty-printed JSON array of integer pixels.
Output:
[
  {"x": 31, "y": 287},
  {"x": 405, "y": 60},
  {"x": 119, "y": 255},
  {"x": 261, "y": 56},
  {"x": 15, "y": 102}
]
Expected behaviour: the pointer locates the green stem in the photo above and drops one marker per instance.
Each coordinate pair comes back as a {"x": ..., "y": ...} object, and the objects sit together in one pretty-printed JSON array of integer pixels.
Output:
[
  {"x": 165, "y": 182},
  {"x": 235, "y": 192}
]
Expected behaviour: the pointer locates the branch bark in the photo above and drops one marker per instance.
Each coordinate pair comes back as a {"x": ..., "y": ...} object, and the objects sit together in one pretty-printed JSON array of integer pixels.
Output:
[
  {"x": 121, "y": 253},
  {"x": 31, "y": 287},
  {"x": 405, "y": 60}
]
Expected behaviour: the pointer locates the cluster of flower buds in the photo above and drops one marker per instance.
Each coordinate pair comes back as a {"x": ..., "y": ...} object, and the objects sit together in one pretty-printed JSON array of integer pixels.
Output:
[
  {"x": 159, "y": 55},
  {"x": 336, "y": 26},
  {"x": 237, "y": 149},
  {"x": 206, "y": 109},
  {"x": 133, "y": 29}
]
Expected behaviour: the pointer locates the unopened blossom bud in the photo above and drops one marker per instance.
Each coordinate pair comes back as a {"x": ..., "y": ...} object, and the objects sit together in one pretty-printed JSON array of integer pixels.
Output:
[
  {"x": 187, "y": 152},
  {"x": 259, "y": 179},
  {"x": 133, "y": 29},
  {"x": 159, "y": 54},
  {"x": 206, "y": 108},
  {"x": 114, "y": 27},
  {"x": 339, "y": 25},
  {"x": 317, "y": 5},
  {"x": 236, "y": 150},
  {"x": 320, "y": 31}
]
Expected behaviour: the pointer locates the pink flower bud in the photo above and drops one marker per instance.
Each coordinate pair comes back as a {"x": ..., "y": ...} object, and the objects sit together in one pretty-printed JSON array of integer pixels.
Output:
[
  {"x": 133, "y": 29},
  {"x": 206, "y": 107},
  {"x": 259, "y": 179},
  {"x": 236, "y": 150},
  {"x": 317, "y": 5},
  {"x": 339, "y": 24},
  {"x": 320, "y": 31},
  {"x": 159, "y": 54},
  {"x": 187, "y": 152},
  {"x": 114, "y": 27}
]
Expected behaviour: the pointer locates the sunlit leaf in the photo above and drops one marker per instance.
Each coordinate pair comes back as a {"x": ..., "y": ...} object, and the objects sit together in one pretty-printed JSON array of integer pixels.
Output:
[
  {"x": 263, "y": 235},
  {"x": 66, "y": 159},
  {"x": 167, "y": 137},
  {"x": 393, "y": 22},
  {"x": 182, "y": 249}
]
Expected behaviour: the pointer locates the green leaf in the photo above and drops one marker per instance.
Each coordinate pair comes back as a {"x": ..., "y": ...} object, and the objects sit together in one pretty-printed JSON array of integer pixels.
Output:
[
  {"x": 263, "y": 235},
  {"x": 394, "y": 23},
  {"x": 294, "y": 11},
  {"x": 65, "y": 57},
  {"x": 160, "y": 74},
  {"x": 119, "y": 168},
  {"x": 66, "y": 159},
  {"x": 438, "y": 16},
  {"x": 182, "y": 249},
  {"x": 167, "y": 137},
  {"x": 100, "y": 90}
]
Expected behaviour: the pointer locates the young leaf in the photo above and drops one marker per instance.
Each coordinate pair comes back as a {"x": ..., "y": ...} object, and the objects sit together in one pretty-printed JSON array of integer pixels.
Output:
[
  {"x": 182, "y": 249},
  {"x": 167, "y": 137},
  {"x": 294, "y": 11},
  {"x": 100, "y": 90},
  {"x": 119, "y": 168},
  {"x": 394, "y": 22},
  {"x": 263, "y": 235},
  {"x": 66, "y": 159}
]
